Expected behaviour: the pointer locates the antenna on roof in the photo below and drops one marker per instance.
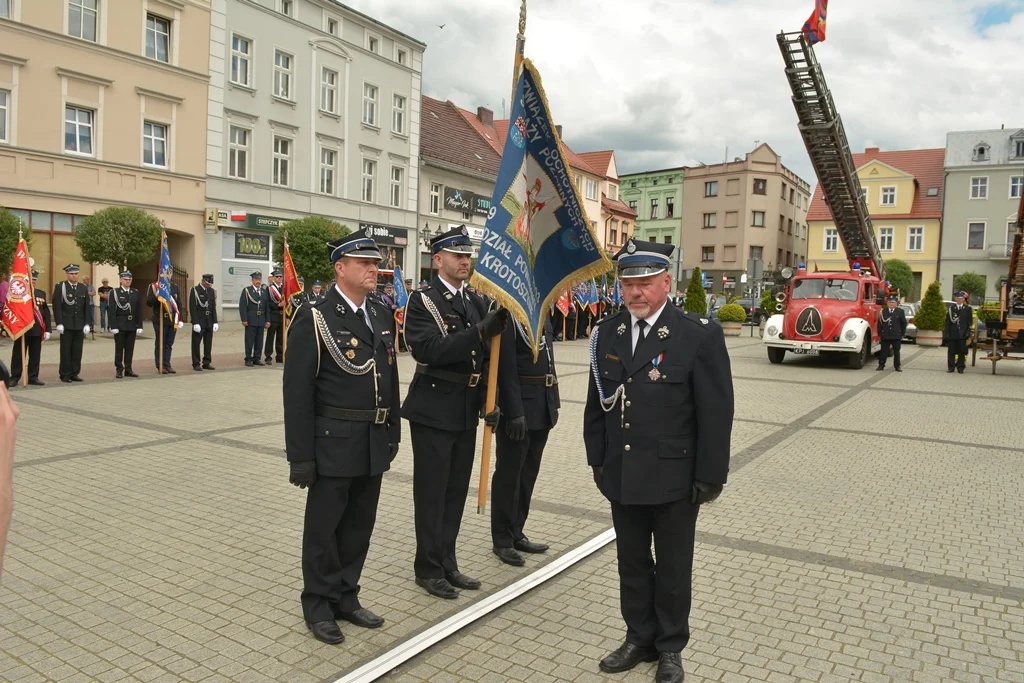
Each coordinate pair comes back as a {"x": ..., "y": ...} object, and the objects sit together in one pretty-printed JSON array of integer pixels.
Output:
[{"x": 502, "y": 107}]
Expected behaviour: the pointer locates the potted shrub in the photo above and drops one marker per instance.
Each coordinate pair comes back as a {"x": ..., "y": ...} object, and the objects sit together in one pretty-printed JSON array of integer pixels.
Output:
[
  {"x": 732, "y": 317},
  {"x": 931, "y": 319}
]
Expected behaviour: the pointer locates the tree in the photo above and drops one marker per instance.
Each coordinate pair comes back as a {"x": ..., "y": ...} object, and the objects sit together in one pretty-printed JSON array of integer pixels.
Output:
[
  {"x": 898, "y": 273},
  {"x": 119, "y": 236},
  {"x": 307, "y": 243},
  {"x": 9, "y": 226},
  {"x": 932, "y": 315},
  {"x": 972, "y": 283},
  {"x": 696, "y": 299}
]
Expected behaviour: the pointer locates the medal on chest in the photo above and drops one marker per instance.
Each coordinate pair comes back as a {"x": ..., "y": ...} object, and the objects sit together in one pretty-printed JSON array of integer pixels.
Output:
[{"x": 655, "y": 373}]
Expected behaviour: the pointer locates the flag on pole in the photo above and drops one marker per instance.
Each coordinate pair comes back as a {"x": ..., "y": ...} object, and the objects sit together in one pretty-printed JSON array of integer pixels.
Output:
[
  {"x": 401, "y": 296},
  {"x": 538, "y": 236},
  {"x": 581, "y": 295},
  {"x": 291, "y": 281},
  {"x": 164, "y": 282},
  {"x": 814, "y": 27},
  {"x": 20, "y": 311},
  {"x": 617, "y": 294},
  {"x": 594, "y": 300},
  {"x": 563, "y": 302}
]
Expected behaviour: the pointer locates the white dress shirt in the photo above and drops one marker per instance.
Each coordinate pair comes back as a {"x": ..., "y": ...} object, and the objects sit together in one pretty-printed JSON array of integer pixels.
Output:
[
  {"x": 650, "y": 320},
  {"x": 366, "y": 314}
]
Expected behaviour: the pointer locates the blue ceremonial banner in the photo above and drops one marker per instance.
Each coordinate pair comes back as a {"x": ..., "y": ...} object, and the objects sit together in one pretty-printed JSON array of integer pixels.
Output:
[
  {"x": 164, "y": 280},
  {"x": 401, "y": 296},
  {"x": 581, "y": 292},
  {"x": 538, "y": 238},
  {"x": 617, "y": 294}
]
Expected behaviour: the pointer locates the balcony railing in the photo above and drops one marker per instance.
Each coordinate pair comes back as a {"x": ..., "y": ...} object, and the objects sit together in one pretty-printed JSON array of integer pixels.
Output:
[{"x": 999, "y": 251}]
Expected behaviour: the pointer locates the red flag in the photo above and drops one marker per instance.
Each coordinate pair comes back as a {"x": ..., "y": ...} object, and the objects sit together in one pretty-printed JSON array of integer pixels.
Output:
[
  {"x": 814, "y": 27},
  {"x": 291, "y": 281},
  {"x": 563, "y": 303},
  {"x": 20, "y": 312}
]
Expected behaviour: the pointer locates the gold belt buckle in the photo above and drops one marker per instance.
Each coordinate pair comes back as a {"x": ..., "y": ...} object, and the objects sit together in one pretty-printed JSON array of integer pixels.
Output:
[
  {"x": 474, "y": 379},
  {"x": 381, "y": 417}
]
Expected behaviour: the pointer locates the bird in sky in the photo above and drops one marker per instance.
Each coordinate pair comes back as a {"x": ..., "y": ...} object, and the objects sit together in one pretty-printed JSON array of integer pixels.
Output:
[{"x": 441, "y": 25}]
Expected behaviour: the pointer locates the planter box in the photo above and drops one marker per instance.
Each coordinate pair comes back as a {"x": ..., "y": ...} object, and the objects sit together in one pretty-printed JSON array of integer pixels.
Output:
[
  {"x": 929, "y": 337},
  {"x": 731, "y": 329}
]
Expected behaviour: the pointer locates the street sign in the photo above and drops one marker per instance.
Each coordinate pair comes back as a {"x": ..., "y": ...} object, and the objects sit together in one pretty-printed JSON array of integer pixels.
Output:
[
  {"x": 743, "y": 279},
  {"x": 755, "y": 267}
]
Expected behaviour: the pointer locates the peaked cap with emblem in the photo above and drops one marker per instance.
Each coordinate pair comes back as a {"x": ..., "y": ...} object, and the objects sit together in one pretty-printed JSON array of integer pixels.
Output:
[
  {"x": 126, "y": 275},
  {"x": 356, "y": 245},
  {"x": 640, "y": 259},
  {"x": 275, "y": 273},
  {"x": 208, "y": 278},
  {"x": 455, "y": 241},
  {"x": 893, "y": 297},
  {"x": 256, "y": 274},
  {"x": 71, "y": 268}
]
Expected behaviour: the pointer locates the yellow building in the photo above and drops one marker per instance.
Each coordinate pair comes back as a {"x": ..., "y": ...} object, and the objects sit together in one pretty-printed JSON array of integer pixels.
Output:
[{"x": 903, "y": 191}]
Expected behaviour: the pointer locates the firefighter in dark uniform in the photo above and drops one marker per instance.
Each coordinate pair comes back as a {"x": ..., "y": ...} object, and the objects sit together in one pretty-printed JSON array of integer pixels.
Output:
[
  {"x": 447, "y": 329},
  {"x": 275, "y": 316},
  {"x": 70, "y": 303},
  {"x": 528, "y": 398},
  {"x": 657, "y": 427},
  {"x": 959, "y": 321},
  {"x": 125, "y": 313},
  {"x": 202, "y": 311},
  {"x": 342, "y": 430},
  {"x": 316, "y": 292},
  {"x": 892, "y": 325},
  {"x": 252, "y": 309},
  {"x": 171, "y": 324},
  {"x": 34, "y": 338}
]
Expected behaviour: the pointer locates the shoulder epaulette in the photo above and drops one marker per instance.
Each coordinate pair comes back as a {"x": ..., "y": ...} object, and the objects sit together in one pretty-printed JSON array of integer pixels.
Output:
[{"x": 700, "y": 320}]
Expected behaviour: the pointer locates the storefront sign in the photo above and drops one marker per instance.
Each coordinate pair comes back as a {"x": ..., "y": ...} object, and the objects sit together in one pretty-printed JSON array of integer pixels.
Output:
[
  {"x": 255, "y": 222},
  {"x": 466, "y": 201},
  {"x": 386, "y": 234},
  {"x": 252, "y": 246}
]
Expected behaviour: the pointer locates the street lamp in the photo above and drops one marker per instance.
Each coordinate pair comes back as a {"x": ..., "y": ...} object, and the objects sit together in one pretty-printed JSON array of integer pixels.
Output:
[{"x": 427, "y": 236}]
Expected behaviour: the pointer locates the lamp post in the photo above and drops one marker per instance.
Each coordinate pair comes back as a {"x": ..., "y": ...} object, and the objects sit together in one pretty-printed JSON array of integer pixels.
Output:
[{"x": 427, "y": 236}]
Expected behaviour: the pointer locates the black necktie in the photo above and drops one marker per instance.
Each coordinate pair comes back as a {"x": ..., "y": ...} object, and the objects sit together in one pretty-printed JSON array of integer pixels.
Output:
[
  {"x": 362, "y": 318},
  {"x": 459, "y": 304},
  {"x": 641, "y": 326}
]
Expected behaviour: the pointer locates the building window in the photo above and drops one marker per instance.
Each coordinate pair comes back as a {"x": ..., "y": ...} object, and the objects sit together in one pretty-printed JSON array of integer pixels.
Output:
[
  {"x": 756, "y": 253},
  {"x": 760, "y": 186},
  {"x": 78, "y": 130},
  {"x": 789, "y": 226},
  {"x": 369, "y": 173},
  {"x": 670, "y": 207},
  {"x": 329, "y": 91},
  {"x": 435, "y": 198},
  {"x": 466, "y": 216},
  {"x": 241, "y": 53},
  {"x": 757, "y": 219},
  {"x": 158, "y": 38},
  {"x": 792, "y": 195},
  {"x": 401, "y": 56},
  {"x": 668, "y": 239},
  {"x": 888, "y": 196},
  {"x": 578, "y": 180},
  {"x": 864, "y": 194},
  {"x": 1016, "y": 185},
  {"x": 625, "y": 231},
  {"x": 282, "y": 161},
  {"x": 732, "y": 187},
  {"x": 83, "y": 19},
  {"x": 238, "y": 153},
  {"x": 710, "y": 220},
  {"x": 1011, "y": 231},
  {"x": 979, "y": 188},
  {"x": 707, "y": 254},
  {"x": 591, "y": 189},
  {"x": 654, "y": 208},
  {"x": 732, "y": 219},
  {"x": 613, "y": 192},
  {"x": 286, "y": 7},
  {"x": 373, "y": 44},
  {"x": 1018, "y": 149},
  {"x": 831, "y": 240},
  {"x": 369, "y": 104},
  {"x": 782, "y": 222},
  {"x": 333, "y": 26},
  {"x": 614, "y": 239},
  {"x": 885, "y": 239},
  {"x": 154, "y": 144},
  {"x": 632, "y": 204},
  {"x": 975, "y": 235},
  {"x": 5, "y": 99},
  {"x": 729, "y": 253},
  {"x": 711, "y": 188},
  {"x": 915, "y": 239},
  {"x": 282, "y": 75},
  {"x": 981, "y": 152},
  {"x": 398, "y": 114},
  {"x": 783, "y": 195},
  {"x": 5, "y": 9},
  {"x": 397, "y": 180},
  {"x": 328, "y": 159}
]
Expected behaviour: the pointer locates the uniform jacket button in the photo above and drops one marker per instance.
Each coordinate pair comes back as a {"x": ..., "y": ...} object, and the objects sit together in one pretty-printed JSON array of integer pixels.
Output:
[
  {"x": 629, "y": 381},
  {"x": 626, "y": 425},
  {"x": 327, "y": 432},
  {"x": 627, "y": 447},
  {"x": 629, "y": 403}
]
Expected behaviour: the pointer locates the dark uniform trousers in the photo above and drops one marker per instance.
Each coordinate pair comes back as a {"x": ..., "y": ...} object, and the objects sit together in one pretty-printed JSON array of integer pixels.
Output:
[
  {"x": 253, "y": 342},
  {"x": 124, "y": 348},
  {"x": 443, "y": 418},
  {"x": 71, "y": 342},
  {"x": 515, "y": 474},
  {"x": 34, "y": 349},
  {"x": 887, "y": 345},
  {"x": 672, "y": 428},
  {"x": 206, "y": 339},
  {"x": 351, "y": 455}
]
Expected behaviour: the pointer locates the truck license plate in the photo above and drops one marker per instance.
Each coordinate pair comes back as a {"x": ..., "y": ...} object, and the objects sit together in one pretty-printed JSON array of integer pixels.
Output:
[{"x": 806, "y": 352}]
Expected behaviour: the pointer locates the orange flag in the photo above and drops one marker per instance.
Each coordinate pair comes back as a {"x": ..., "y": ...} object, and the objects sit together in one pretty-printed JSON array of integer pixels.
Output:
[
  {"x": 19, "y": 313},
  {"x": 291, "y": 281}
]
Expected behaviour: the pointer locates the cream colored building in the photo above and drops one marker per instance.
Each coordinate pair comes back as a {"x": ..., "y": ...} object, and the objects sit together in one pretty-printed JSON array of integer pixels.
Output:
[{"x": 104, "y": 103}]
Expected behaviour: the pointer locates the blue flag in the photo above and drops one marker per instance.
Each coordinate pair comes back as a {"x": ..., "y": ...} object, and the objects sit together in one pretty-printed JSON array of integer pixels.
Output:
[
  {"x": 617, "y": 294},
  {"x": 401, "y": 296},
  {"x": 538, "y": 237},
  {"x": 581, "y": 294},
  {"x": 164, "y": 282}
]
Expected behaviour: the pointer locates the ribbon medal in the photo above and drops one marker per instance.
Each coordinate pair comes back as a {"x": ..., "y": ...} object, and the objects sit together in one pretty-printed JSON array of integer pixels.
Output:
[{"x": 655, "y": 374}]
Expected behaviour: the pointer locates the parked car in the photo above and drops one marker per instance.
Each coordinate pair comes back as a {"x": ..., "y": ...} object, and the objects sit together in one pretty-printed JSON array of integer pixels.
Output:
[
  {"x": 911, "y": 334},
  {"x": 751, "y": 307}
]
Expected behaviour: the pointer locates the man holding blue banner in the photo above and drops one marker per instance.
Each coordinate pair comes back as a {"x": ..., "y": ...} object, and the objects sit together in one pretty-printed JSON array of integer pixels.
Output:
[{"x": 165, "y": 300}]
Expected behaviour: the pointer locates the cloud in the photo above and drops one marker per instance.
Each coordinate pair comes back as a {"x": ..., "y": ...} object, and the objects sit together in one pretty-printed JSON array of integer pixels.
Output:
[{"x": 670, "y": 83}]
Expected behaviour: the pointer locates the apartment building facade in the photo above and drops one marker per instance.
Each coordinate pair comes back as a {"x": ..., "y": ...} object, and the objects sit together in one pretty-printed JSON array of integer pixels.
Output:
[
  {"x": 104, "y": 104},
  {"x": 618, "y": 220},
  {"x": 984, "y": 179},
  {"x": 314, "y": 110},
  {"x": 752, "y": 207},
  {"x": 657, "y": 199},
  {"x": 903, "y": 191}
]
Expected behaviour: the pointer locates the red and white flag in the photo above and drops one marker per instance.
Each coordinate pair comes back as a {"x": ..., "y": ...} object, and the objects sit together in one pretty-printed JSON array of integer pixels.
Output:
[{"x": 19, "y": 313}]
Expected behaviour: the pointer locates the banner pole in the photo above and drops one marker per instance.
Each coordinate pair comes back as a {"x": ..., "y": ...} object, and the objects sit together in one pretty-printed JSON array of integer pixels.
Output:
[
  {"x": 24, "y": 356},
  {"x": 160, "y": 347},
  {"x": 492, "y": 393}
]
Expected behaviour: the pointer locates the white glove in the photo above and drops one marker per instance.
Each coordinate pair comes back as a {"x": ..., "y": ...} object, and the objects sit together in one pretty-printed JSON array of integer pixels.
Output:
[
  {"x": 114, "y": 331},
  {"x": 197, "y": 329},
  {"x": 46, "y": 337},
  {"x": 85, "y": 330},
  {"x": 138, "y": 331},
  {"x": 60, "y": 329},
  {"x": 216, "y": 327},
  {"x": 181, "y": 325}
]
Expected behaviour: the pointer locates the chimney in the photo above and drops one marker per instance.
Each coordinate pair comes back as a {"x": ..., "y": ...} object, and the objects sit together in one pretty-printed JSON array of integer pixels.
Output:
[
  {"x": 485, "y": 115},
  {"x": 558, "y": 129},
  {"x": 871, "y": 150}
]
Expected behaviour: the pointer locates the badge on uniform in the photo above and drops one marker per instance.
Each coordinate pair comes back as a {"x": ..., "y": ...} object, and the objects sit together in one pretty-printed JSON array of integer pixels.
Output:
[
  {"x": 448, "y": 296},
  {"x": 663, "y": 332},
  {"x": 355, "y": 342},
  {"x": 350, "y": 354},
  {"x": 703, "y": 321},
  {"x": 621, "y": 329},
  {"x": 655, "y": 373},
  {"x": 340, "y": 310}
]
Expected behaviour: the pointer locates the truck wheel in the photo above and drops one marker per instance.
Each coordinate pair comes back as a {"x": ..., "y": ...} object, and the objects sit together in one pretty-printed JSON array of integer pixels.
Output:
[
  {"x": 857, "y": 360},
  {"x": 775, "y": 356}
]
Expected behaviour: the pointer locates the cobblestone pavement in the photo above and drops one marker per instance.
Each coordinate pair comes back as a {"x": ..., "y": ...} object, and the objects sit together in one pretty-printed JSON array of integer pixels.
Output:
[{"x": 871, "y": 531}]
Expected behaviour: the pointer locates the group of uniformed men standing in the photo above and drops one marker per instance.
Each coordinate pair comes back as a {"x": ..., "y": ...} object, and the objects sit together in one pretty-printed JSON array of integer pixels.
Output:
[{"x": 656, "y": 463}]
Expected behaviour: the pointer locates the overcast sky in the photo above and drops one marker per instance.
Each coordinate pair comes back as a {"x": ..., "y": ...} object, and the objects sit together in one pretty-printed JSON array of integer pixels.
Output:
[{"x": 672, "y": 82}]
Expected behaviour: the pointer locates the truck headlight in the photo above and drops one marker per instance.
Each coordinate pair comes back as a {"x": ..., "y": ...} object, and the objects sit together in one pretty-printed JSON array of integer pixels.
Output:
[
  {"x": 772, "y": 330},
  {"x": 850, "y": 335}
]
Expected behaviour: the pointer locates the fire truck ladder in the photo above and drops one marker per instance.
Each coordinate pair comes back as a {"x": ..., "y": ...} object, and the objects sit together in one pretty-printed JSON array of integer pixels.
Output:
[
  {"x": 826, "y": 143},
  {"x": 1016, "y": 258}
]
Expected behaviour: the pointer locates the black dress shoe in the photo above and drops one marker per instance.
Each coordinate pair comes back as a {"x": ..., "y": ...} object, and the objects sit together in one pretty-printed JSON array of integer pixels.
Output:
[
  {"x": 268, "y": 361},
  {"x": 362, "y": 617},
  {"x": 197, "y": 368},
  {"x": 510, "y": 556},
  {"x": 960, "y": 370},
  {"x": 119, "y": 374},
  {"x": 950, "y": 370},
  {"x": 248, "y": 364},
  {"x": 257, "y": 362},
  {"x": 460, "y": 580},
  {"x": 670, "y": 668},
  {"x": 439, "y": 588},
  {"x": 67, "y": 380},
  {"x": 880, "y": 367},
  {"x": 76, "y": 378},
  {"x": 209, "y": 367},
  {"x": 626, "y": 657},
  {"x": 525, "y": 545},
  {"x": 166, "y": 371},
  {"x": 899, "y": 369},
  {"x": 170, "y": 371},
  {"x": 326, "y": 632},
  {"x": 37, "y": 383},
  {"x": 130, "y": 373}
]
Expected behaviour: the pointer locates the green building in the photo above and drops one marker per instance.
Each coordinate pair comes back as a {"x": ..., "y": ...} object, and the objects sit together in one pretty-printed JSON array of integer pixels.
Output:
[{"x": 657, "y": 198}]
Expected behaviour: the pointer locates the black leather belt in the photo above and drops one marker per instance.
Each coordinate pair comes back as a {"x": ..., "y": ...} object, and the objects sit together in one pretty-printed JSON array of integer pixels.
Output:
[
  {"x": 378, "y": 416},
  {"x": 456, "y": 377},
  {"x": 539, "y": 380}
]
